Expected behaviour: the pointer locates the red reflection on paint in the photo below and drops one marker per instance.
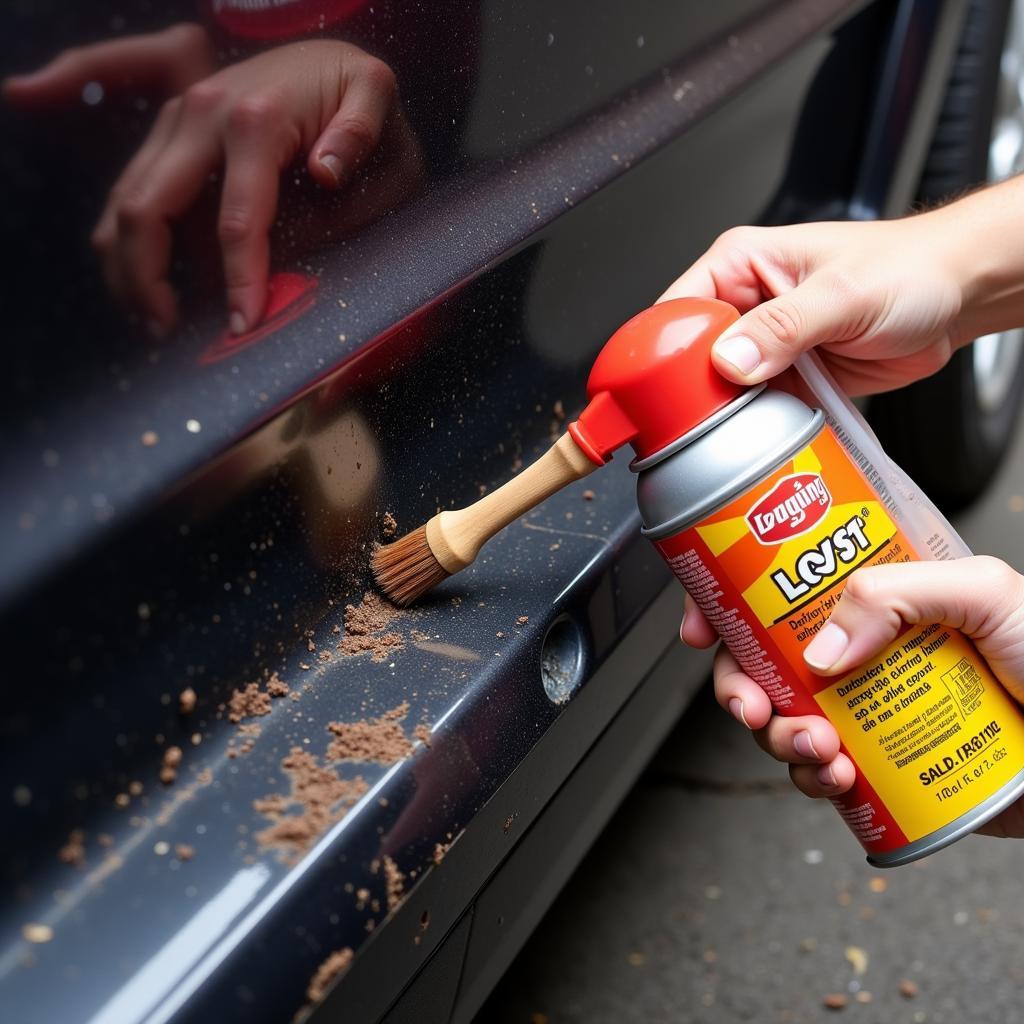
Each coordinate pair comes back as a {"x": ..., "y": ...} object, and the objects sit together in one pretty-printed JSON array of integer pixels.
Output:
[
  {"x": 281, "y": 19},
  {"x": 288, "y": 297}
]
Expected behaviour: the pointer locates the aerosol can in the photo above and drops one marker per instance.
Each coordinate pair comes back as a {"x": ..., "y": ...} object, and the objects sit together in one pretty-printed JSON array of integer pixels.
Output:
[{"x": 763, "y": 501}]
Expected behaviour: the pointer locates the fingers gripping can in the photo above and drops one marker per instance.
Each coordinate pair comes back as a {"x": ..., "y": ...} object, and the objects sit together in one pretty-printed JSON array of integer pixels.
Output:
[{"x": 762, "y": 514}]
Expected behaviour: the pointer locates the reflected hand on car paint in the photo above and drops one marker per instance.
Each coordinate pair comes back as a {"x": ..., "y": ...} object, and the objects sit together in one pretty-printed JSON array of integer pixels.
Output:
[
  {"x": 327, "y": 100},
  {"x": 156, "y": 64},
  {"x": 238, "y": 130}
]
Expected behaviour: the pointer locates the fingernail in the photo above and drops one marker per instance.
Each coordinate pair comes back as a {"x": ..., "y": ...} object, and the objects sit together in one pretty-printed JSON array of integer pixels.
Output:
[
  {"x": 804, "y": 745},
  {"x": 682, "y": 624},
  {"x": 736, "y": 710},
  {"x": 827, "y": 646},
  {"x": 237, "y": 323},
  {"x": 334, "y": 165},
  {"x": 740, "y": 351},
  {"x": 826, "y": 776}
]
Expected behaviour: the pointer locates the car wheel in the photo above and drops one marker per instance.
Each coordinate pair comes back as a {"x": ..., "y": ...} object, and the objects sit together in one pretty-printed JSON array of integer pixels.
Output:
[{"x": 951, "y": 431}]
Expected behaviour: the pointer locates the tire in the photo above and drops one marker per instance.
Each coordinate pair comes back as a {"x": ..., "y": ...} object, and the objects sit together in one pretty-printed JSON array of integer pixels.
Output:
[{"x": 951, "y": 431}]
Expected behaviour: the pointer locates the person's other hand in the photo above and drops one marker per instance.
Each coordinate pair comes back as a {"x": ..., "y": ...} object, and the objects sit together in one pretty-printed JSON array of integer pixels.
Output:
[
  {"x": 980, "y": 596},
  {"x": 158, "y": 64},
  {"x": 875, "y": 298},
  {"x": 328, "y": 100}
]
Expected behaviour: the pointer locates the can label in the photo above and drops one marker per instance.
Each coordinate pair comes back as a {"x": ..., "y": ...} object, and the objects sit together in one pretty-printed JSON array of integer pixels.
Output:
[{"x": 930, "y": 730}]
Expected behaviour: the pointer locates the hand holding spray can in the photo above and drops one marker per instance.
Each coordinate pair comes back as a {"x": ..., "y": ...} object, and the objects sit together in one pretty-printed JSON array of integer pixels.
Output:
[{"x": 763, "y": 505}]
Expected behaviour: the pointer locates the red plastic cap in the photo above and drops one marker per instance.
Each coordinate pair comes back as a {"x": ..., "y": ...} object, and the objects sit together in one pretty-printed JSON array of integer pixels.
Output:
[{"x": 654, "y": 381}]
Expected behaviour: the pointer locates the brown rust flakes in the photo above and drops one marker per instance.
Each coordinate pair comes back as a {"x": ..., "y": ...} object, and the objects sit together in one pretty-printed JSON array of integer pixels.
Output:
[
  {"x": 249, "y": 702},
  {"x": 277, "y": 687},
  {"x": 73, "y": 850},
  {"x": 331, "y": 969},
  {"x": 249, "y": 732},
  {"x": 394, "y": 882},
  {"x": 320, "y": 797},
  {"x": 169, "y": 766},
  {"x": 367, "y": 628},
  {"x": 380, "y": 740}
]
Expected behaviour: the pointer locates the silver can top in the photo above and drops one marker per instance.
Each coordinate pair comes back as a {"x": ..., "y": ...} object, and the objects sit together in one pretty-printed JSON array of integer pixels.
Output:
[{"x": 680, "y": 485}]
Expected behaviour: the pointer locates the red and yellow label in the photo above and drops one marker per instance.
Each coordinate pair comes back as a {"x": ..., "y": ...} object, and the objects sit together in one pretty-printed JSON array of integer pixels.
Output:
[{"x": 930, "y": 730}]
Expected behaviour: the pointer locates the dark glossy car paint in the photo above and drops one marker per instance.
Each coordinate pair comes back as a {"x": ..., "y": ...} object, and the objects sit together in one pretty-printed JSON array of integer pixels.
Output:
[{"x": 195, "y": 511}]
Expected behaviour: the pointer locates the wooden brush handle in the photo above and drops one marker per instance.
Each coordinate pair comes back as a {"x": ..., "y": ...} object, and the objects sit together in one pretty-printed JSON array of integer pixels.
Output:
[{"x": 455, "y": 537}]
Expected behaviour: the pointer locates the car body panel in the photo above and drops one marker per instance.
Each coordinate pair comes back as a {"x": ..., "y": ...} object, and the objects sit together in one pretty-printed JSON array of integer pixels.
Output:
[{"x": 414, "y": 365}]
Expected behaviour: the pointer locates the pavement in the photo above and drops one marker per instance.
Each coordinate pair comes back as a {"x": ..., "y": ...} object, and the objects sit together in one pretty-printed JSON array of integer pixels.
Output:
[{"x": 718, "y": 894}]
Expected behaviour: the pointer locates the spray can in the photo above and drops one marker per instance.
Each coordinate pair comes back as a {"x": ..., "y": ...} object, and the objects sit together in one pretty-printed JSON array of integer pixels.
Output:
[{"x": 762, "y": 512}]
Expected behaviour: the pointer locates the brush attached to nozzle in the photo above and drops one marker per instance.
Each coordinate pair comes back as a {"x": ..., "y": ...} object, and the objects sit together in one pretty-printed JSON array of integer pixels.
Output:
[
  {"x": 637, "y": 391},
  {"x": 414, "y": 564}
]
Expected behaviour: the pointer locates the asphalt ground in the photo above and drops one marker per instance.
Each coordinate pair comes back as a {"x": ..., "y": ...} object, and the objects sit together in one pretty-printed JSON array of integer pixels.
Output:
[{"x": 720, "y": 894}]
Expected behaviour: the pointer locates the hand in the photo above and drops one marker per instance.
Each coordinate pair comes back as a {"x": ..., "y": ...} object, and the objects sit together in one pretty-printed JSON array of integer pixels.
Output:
[
  {"x": 877, "y": 299},
  {"x": 326, "y": 99},
  {"x": 160, "y": 63},
  {"x": 981, "y": 596}
]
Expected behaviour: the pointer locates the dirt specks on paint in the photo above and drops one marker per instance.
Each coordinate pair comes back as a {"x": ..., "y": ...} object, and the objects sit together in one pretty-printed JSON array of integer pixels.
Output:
[
  {"x": 73, "y": 851},
  {"x": 380, "y": 740},
  {"x": 184, "y": 852},
  {"x": 558, "y": 414},
  {"x": 36, "y": 933},
  {"x": 249, "y": 702},
  {"x": 320, "y": 798},
  {"x": 422, "y": 733},
  {"x": 588, "y": 495},
  {"x": 440, "y": 849},
  {"x": 332, "y": 968},
  {"x": 169, "y": 766},
  {"x": 248, "y": 732},
  {"x": 367, "y": 628},
  {"x": 394, "y": 882}
]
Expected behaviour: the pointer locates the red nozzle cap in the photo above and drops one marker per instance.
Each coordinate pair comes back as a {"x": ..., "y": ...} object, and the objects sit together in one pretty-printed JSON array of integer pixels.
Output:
[{"x": 653, "y": 381}]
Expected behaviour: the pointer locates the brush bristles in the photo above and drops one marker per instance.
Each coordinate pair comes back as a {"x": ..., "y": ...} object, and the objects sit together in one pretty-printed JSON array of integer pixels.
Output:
[{"x": 406, "y": 569}]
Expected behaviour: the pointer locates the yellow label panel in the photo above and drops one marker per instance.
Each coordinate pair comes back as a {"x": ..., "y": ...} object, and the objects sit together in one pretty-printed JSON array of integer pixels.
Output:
[{"x": 930, "y": 724}]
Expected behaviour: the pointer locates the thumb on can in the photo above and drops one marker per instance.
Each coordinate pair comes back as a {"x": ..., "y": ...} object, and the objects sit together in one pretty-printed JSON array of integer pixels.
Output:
[
  {"x": 981, "y": 596},
  {"x": 767, "y": 340}
]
